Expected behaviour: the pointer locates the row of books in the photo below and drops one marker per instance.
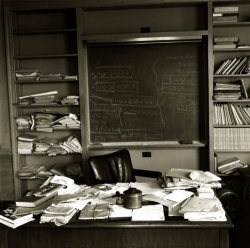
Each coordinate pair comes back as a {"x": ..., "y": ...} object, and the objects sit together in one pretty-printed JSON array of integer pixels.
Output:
[
  {"x": 230, "y": 165},
  {"x": 225, "y": 14},
  {"x": 234, "y": 66},
  {"x": 228, "y": 42},
  {"x": 232, "y": 138},
  {"x": 27, "y": 144},
  {"x": 230, "y": 91},
  {"x": 231, "y": 114},
  {"x": 47, "y": 122},
  {"x": 27, "y": 75}
]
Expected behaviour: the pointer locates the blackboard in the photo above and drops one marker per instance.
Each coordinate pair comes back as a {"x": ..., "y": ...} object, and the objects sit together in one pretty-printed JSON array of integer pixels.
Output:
[{"x": 146, "y": 92}]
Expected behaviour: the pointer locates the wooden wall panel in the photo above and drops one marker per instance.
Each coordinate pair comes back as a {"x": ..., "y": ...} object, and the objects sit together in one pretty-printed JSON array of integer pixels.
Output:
[{"x": 6, "y": 177}]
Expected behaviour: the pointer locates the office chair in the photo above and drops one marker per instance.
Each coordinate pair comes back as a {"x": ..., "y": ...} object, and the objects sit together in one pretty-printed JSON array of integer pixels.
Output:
[{"x": 117, "y": 167}]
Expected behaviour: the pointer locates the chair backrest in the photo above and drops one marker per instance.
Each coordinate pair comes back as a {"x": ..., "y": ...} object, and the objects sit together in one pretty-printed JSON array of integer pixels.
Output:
[{"x": 112, "y": 168}]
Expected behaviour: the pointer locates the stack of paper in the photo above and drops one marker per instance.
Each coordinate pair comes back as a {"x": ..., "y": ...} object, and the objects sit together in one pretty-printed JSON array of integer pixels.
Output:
[
  {"x": 149, "y": 213},
  {"x": 185, "y": 179},
  {"x": 203, "y": 209},
  {"x": 70, "y": 121}
]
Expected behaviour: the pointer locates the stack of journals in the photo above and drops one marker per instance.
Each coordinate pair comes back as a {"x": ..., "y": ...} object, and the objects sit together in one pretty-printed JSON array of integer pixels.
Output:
[
  {"x": 225, "y": 14},
  {"x": 25, "y": 143},
  {"x": 10, "y": 219},
  {"x": 233, "y": 66},
  {"x": 225, "y": 42},
  {"x": 231, "y": 114},
  {"x": 230, "y": 91},
  {"x": 230, "y": 165},
  {"x": 43, "y": 122}
]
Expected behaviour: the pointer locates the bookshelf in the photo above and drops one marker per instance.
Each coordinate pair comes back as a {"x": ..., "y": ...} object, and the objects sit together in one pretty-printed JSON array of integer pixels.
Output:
[
  {"x": 47, "y": 44},
  {"x": 231, "y": 139}
]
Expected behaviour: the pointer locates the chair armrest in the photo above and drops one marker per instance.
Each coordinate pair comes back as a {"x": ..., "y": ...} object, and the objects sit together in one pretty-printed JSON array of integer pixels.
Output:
[{"x": 147, "y": 173}]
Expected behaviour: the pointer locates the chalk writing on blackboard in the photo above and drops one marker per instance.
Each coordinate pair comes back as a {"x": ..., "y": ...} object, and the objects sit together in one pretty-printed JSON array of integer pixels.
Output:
[
  {"x": 114, "y": 71},
  {"x": 122, "y": 86}
]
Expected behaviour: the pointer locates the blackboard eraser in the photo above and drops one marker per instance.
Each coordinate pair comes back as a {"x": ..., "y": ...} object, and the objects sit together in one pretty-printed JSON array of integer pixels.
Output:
[{"x": 185, "y": 142}]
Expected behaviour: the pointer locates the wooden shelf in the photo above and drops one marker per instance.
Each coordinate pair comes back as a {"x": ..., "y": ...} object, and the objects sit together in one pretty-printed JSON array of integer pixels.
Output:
[
  {"x": 46, "y": 56},
  {"x": 235, "y": 174},
  {"x": 231, "y": 126},
  {"x": 232, "y": 76},
  {"x": 54, "y": 130},
  {"x": 44, "y": 31},
  {"x": 234, "y": 101},
  {"x": 231, "y": 150},
  {"x": 45, "y": 105},
  {"x": 45, "y": 153},
  {"x": 232, "y": 24},
  {"x": 233, "y": 50},
  {"x": 146, "y": 37},
  {"x": 45, "y": 81}
]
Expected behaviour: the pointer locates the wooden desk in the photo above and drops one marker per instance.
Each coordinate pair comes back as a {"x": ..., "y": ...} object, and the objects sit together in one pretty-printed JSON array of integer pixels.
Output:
[{"x": 174, "y": 232}]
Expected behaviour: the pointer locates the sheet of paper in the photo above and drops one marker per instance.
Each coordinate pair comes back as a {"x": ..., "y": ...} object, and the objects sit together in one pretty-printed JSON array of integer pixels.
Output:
[
  {"x": 146, "y": 188},
  {"x": 179, "y": 195},
  {"x": 118, "y": 211},
  {"x": 149, "y": 213}
]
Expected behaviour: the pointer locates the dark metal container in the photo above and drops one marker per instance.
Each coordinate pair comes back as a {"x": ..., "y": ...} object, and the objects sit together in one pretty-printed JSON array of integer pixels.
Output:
[{"x": 132, "y": 198}]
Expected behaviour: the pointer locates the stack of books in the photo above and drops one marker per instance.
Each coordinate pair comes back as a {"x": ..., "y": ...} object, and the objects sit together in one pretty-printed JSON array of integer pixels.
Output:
[
  {"x": 225, "y": 14},
  {"x": 225, "y": 42},
  {"x": 231, "y": 114},
  {"x": 233, "y": 66},
  {"x": 230, "y": 165},
  {"x": 203, "y": 209},
  {"x": 9, "y": 218},
  {"x": 25, "y": 143},
  {"x": 40, "y": 195},
  {"x": 230, "y": 91}
]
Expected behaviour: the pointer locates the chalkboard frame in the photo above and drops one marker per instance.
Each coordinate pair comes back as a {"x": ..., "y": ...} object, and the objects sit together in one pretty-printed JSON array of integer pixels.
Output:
[{"x": 110, "y": 40}]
